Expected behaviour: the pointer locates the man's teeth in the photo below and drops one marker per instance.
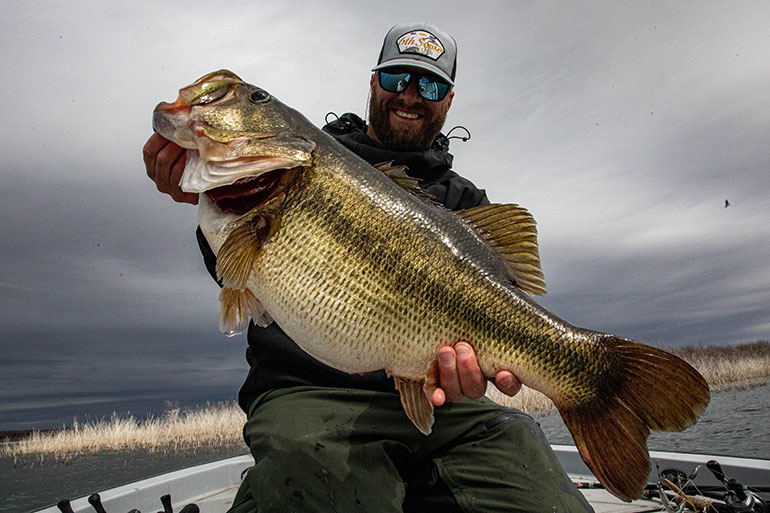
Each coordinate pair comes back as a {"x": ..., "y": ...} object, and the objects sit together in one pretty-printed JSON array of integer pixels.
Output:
[{"x": 407, "y": 114}]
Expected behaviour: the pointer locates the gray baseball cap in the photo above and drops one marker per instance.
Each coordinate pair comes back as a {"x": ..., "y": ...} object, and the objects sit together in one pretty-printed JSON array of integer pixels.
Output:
[{"x": 419, "y": 45}]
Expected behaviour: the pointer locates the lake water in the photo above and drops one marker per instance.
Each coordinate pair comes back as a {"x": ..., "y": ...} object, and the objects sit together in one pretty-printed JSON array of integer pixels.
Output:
[{"x": 736, "y": 422}]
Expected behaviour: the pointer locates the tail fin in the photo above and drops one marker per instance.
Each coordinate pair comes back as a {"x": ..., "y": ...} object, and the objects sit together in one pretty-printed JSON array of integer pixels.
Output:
[{"x": 650, "y": 389}]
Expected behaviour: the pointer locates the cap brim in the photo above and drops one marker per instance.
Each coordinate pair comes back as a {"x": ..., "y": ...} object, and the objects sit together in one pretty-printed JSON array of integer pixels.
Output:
[{"x": 411, "y": 63}]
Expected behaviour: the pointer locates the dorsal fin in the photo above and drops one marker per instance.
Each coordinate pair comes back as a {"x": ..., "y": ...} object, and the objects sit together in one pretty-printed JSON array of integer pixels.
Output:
[
  {"x": 511, "y": 231},
  {"x": 406, "y": 182}
]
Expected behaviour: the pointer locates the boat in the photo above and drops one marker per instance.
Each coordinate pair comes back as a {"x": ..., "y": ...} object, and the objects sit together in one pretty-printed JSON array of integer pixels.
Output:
[{"x": 212, "y": 486}]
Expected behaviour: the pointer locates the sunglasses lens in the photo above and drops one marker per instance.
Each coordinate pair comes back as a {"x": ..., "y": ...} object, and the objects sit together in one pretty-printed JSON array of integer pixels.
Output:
[
  {"x": 430, "y": 89},
  {"x": 394, "y": 82}
]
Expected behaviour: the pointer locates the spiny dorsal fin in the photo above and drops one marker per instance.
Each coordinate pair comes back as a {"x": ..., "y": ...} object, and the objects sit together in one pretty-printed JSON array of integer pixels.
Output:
[
  {"x": 406, "y": 182},
  {"x": 511, "y": 231},
  {"x": 416, "y": 402}
]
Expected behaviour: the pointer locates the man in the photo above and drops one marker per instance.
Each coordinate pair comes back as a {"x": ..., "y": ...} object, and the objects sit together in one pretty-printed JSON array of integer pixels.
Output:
[{"x": 324, "y": 440}]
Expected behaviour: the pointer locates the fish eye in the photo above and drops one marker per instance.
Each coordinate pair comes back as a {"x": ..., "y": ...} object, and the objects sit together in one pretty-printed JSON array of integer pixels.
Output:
[{"x": 259, "y": 96}]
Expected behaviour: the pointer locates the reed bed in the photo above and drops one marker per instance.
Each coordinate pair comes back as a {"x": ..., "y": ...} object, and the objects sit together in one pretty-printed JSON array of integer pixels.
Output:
[
  {"x": 221, "y": 424},
  {"x": 726, "y": 367},
  {"x": 214, "y": 425}
]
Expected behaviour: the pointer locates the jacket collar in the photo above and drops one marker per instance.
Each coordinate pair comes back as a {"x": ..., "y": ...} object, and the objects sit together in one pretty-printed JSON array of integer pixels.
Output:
[{"x": 427, "y": 165}]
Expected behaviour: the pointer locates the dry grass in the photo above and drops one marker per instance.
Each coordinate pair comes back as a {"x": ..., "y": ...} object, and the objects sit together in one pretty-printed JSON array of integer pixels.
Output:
[
  {"x": 725, "y": 367},
  {"x": 213, "y": 426},
  {"x": 221, "y": 424}
]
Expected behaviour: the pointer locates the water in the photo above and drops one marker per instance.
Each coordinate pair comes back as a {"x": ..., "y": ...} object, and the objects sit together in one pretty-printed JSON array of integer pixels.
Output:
[
  {"x": 27, "y": 485},
  {"x": 736, "y": 423}
]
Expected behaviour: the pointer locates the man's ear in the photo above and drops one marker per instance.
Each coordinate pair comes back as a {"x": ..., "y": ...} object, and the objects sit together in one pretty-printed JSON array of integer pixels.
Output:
[
  {"x": 451, "y": 95},
  {"x": 372, "y": 81}
]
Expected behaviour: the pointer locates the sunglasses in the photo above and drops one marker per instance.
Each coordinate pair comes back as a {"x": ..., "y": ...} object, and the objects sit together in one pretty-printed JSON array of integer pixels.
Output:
[{"x": 429, "y": 88}]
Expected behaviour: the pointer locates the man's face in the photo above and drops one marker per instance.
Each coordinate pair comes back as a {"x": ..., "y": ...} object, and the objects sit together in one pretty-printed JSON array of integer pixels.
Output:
[{"x": 405, "y": 121}]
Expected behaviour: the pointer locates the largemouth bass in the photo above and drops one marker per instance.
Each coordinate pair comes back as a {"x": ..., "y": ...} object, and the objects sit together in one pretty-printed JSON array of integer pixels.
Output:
[{"x": 365, "y": 273}]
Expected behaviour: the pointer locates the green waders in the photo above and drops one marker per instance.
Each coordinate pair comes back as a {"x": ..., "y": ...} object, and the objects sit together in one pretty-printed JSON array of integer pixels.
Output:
[{"x": 338, "y": 450}]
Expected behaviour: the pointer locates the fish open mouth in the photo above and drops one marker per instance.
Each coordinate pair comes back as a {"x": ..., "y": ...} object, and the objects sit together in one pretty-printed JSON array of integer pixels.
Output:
[{"x": 246, "y": 193}]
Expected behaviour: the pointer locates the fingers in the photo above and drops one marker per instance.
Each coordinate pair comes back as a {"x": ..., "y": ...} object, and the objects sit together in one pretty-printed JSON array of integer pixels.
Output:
[
  {"x": 459, "y": 374},
  {"x": 507, "y": 383},
  {"x": 438, "y": 398},
  {"x": 473, "y": 382},
  {"x": 164, "y": 162},
  {"x": 449, "y": 379}
]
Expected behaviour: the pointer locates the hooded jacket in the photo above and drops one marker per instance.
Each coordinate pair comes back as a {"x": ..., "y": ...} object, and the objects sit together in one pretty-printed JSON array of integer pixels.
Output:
[{"x": 275, "y": 360}]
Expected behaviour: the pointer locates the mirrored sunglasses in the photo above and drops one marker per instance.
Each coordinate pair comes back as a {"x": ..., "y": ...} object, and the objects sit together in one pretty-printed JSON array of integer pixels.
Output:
[{"x": 429, "y": 88}]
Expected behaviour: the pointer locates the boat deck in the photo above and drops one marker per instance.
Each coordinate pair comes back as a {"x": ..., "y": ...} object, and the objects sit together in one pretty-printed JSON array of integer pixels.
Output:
[
  {"x": 212, "y": 486},
  {"x": 601, "y": 500}
]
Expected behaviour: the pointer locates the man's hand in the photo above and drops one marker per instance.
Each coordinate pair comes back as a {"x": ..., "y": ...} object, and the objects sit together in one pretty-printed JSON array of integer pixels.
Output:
[
  {"x": 460, "y": 375},
  {"x": 164, "y": 161}
]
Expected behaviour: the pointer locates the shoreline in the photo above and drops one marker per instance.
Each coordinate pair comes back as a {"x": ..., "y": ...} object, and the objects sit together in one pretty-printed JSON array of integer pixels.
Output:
[{"x": 725, "y": 368}]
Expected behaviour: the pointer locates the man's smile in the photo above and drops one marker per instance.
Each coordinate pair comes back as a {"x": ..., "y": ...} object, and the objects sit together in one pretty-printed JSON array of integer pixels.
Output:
[{"x": 408, "y": 115}]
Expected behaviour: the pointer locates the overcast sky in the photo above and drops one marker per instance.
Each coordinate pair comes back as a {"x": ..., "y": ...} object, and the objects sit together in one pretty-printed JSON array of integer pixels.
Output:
[{"x": 622, "y": 126}]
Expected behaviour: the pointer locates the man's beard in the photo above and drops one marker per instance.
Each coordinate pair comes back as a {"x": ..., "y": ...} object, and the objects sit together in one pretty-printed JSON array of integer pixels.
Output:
[{"x": 404, "y": 137}]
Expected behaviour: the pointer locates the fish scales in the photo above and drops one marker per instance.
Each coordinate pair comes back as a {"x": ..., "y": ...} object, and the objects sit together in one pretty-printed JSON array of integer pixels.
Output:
[
  {"x": 419, "y": 303},
  {"x": 364, "y": 274}
]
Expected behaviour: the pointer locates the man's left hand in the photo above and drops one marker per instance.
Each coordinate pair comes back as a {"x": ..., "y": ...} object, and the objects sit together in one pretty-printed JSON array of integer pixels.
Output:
[{"x": 460, "y": 375}]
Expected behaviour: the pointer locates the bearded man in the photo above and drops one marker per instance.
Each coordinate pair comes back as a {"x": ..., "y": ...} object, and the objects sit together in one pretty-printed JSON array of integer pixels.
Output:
[{"x": 324, "y": 440}]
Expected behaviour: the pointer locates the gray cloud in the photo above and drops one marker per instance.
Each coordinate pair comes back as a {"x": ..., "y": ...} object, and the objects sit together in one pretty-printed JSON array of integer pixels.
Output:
[{"x": 623, "y": 127}]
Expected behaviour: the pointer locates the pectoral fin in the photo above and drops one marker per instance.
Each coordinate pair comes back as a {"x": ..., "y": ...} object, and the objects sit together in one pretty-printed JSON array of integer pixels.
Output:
[
  {"x": 511, "y": 231},
  {"x": 236, "y": 257},
  {"x": 415, "y": 399}
]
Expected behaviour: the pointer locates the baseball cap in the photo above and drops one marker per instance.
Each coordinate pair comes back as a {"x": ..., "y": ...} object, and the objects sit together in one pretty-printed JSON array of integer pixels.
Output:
[{"x": 419, "y": 45}]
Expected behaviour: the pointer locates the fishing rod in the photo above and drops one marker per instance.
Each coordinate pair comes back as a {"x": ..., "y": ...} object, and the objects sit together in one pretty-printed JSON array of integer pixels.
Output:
[{"x": 731, "y": 496}]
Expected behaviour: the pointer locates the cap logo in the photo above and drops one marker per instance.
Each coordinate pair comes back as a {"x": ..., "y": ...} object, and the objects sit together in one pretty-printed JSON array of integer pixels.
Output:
[{"x": 421, "y": 42}]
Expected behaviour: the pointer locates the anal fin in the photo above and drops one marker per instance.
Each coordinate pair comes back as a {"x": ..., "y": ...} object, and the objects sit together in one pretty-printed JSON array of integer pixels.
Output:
[{"x": 415, "y": 399}]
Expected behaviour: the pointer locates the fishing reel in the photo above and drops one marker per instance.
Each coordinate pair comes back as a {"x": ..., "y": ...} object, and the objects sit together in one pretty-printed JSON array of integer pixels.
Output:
[
  {"x": 682, "y": 494},
  {"x": 739, "y": 498}
]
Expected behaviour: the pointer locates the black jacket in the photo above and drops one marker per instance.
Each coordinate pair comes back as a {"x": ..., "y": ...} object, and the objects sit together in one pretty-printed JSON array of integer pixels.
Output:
[{"x": 275, "y": 360}]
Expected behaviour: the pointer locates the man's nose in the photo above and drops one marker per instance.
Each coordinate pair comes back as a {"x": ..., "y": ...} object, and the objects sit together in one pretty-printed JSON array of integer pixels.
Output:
[{"x": 410, "y": 94}]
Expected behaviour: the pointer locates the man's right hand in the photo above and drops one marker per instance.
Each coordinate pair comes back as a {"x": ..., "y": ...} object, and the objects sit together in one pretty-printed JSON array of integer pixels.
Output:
[{"x": 164, "y": 162}]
